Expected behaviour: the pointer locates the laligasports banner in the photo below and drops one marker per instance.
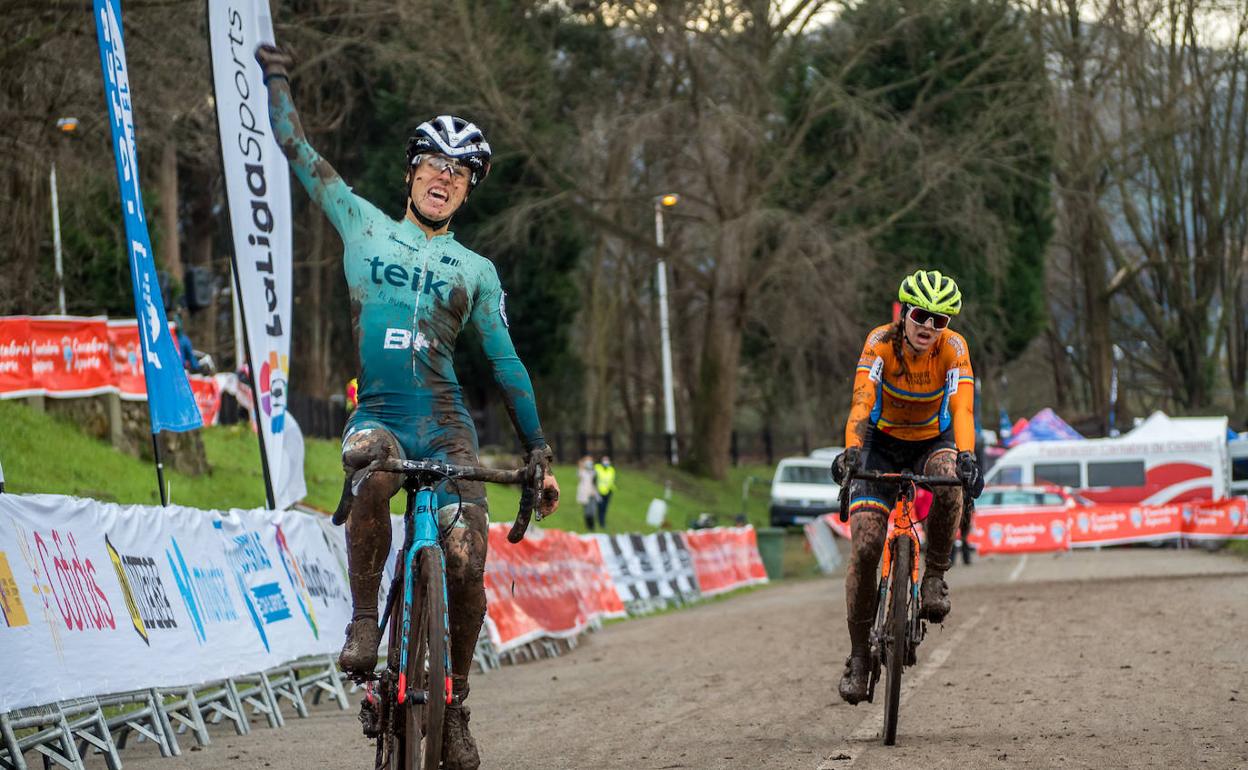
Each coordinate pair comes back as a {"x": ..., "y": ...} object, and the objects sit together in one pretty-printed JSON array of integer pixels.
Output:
[
  {"x": 552, "y": 583},
  {"x": 257, "y": 185},
  {"x": 102, "y": 598},
  {"x": 725, "y": 558},
  {"x": 170, "y": 403}
]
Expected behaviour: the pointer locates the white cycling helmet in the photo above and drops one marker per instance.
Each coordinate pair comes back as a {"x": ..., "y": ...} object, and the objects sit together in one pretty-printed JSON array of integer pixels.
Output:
[{"x": 453, "y": 137}]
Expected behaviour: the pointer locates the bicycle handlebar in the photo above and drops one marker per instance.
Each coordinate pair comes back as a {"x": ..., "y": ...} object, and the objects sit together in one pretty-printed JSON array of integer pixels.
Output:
[
  {"x": 902, "y": 477},
  {"x": 898, "y": 478},
  {"x": 530, "y": 479}
]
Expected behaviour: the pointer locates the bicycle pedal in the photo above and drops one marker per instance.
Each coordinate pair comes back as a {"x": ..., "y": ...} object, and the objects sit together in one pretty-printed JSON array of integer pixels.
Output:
[{"x": 370, "y": 719}]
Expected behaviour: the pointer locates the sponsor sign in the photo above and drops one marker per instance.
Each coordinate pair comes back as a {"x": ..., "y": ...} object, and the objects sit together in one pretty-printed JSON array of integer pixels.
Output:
[
  {"x": 257, "y": 186},
  {"x": 1028, "y": 530},
  {"x": 170, "y": 404},
  {"x": 68, "y": 357},
  {"x": 725, "y": 558},
  {"x": 552, "y": 583},
  {"x": 1109, "y": 524},
  {"x": 101, "y": 598}
]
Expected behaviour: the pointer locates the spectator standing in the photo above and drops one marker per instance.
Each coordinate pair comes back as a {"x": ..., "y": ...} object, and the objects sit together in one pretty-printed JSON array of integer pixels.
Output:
[
  {"x": 185, "y": 347},
  {"x": 587, "y": 490},
  {"x": 604, "y": 475}
]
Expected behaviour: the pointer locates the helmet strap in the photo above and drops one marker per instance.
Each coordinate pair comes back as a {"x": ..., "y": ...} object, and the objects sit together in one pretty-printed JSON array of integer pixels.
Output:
[{"x": 433, "y": 224}]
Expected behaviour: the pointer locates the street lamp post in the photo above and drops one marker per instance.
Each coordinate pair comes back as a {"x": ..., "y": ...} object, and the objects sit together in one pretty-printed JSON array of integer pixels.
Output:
[
  {"x": 65, "y": 126},
  {"x": 669, "y": 403}
]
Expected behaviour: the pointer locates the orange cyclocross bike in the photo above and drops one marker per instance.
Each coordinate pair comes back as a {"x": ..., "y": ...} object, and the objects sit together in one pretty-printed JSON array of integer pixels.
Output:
[{"x": 897, "y": 631}]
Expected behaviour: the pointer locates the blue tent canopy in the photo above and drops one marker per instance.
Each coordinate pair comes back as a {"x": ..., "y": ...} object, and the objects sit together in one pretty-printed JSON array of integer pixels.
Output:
[{"x": 1045, "y": 426}]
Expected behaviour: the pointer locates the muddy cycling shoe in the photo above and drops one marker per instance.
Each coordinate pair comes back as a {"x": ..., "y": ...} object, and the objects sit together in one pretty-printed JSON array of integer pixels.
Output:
[
  {"x": 359, "y": 654},
  {"x": 855, "y": 680},
  {"x": 933, "y": 599},
  {"x": 459, "y": 750}
]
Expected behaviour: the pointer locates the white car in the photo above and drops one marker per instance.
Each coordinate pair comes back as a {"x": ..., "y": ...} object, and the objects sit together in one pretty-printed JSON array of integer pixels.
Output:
[{"x": 803, "y": 489}]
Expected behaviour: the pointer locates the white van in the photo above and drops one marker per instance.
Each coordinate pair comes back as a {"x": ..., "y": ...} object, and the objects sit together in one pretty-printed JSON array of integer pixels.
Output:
[
  {"x": 1163, "y": 460},
  {"x": 802, "y": 490}
]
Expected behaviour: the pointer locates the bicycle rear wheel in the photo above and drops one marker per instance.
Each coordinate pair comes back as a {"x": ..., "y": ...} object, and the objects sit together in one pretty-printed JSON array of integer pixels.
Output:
[
  {"x": 419, "y": 726},
  {"x": 897, "y": 637}
]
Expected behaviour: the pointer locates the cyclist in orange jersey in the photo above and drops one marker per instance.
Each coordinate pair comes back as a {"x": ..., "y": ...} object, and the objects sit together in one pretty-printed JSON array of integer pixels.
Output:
[{"x": 912, "y": 410}]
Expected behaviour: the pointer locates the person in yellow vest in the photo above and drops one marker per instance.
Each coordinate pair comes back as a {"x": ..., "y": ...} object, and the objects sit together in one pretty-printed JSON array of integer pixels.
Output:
[
  {"x": 353, "y": 397},
  {"x": 604, "y": 477}
]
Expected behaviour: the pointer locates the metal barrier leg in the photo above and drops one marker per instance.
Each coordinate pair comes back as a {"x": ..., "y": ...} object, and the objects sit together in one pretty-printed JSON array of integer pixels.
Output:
[
  {"x": 259, "y": 696},
  {"x": 162, "y": 721},
  {"x": 68, "y": 756},
  {"x": 185, "y": 710},
  {"x": 325, "y": 680},
  {"x": 285, "y": 684},
  {"x": 88, "y": 726},
  {"x": 11, "y": 757}
]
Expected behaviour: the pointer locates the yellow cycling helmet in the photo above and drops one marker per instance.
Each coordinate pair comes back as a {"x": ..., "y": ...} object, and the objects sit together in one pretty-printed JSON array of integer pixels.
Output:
[{"x": 932, "y": 291}]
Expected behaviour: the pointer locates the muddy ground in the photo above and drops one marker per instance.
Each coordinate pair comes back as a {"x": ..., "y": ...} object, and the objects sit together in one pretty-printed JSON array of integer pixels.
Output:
[{"x": 1129, "y": 658}]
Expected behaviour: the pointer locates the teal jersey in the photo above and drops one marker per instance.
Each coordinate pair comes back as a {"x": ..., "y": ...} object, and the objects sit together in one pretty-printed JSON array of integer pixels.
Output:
[{"x": 411, "y": 296}]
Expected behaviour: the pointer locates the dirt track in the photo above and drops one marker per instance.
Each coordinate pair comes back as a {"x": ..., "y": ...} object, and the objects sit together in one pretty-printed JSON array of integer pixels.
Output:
[{"x": 1112, "y": 659}]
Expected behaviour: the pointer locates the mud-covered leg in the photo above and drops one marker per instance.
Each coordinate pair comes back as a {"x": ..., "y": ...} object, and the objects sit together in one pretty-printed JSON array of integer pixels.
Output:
[
  {"x": 942, "y": 523},
  {"x": 868, "y": 526},
  {"x": 465, "y": 545},
  {"x": 368, "y": 543}
]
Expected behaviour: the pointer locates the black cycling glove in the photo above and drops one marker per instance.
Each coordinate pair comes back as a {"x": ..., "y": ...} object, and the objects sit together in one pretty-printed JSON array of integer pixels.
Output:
[
  {"x": 845, "y": 462},
  {"x": 968, "y": 472}
]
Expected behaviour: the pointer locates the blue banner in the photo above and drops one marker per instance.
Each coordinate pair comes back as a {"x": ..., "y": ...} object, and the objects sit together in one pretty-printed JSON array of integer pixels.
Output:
[{"x": 170, "y": 403}]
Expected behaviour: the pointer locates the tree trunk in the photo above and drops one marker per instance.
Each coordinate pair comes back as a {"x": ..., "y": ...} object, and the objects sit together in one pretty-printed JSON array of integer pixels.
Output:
[
  {"x": 170, "y": 251},
  {"x": 714, "y": 408}
]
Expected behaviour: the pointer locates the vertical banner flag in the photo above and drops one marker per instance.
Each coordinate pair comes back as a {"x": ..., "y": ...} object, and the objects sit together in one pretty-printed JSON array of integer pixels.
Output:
[
  {"x": 257, "y": 185},
  {"x": 169, "y": 401}
]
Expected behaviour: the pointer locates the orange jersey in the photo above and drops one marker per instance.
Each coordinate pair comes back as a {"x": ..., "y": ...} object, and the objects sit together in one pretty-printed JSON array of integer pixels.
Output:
[{"x": 937, "y": 391}]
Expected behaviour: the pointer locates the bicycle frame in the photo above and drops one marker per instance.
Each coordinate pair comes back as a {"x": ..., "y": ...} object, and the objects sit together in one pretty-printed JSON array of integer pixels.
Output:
[
  {"x": 901, "y": 523},
  {"x": 420, "y": 525}
]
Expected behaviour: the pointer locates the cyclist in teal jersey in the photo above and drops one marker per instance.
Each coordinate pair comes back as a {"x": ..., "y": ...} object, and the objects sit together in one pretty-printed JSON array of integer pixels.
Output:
[{"x": 413, "y": 289}]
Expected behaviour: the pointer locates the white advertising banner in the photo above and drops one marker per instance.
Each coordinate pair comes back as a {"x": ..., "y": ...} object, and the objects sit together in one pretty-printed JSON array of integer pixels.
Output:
[
  {"x": 101, "y": 598},
  {"x": 257, "y": 185}
]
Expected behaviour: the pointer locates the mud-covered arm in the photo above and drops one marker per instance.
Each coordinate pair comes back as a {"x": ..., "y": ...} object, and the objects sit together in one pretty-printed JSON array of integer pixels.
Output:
[
  {"x": 319, "y": 178},
  {"x": 489, "y": 316},
  {"x": 962, "y": 402},
  {"x": 864, "y": 397}
]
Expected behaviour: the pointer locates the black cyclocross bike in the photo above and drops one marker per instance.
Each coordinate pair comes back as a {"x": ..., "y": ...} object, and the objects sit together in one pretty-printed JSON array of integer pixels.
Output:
[
  {"x": 897, "y": 631},
  {"x": 405, "y": 702}
]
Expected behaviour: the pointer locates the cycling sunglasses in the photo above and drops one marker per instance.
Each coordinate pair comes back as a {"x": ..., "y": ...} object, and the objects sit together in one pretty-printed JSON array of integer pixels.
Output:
[
  {"x": 440, "y": 163},
  {"x": 921, "y": 317}
]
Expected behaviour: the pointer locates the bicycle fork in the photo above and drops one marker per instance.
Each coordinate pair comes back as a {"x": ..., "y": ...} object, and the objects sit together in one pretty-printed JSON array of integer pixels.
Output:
[{"x": 425, "y": 536}]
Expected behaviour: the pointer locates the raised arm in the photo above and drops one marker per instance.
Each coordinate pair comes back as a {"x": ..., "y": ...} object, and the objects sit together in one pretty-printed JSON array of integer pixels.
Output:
[
  {"x": 319, "y": 178},
  {"x": 489, "y": 316},
  {"x": 866, "y": 382}
]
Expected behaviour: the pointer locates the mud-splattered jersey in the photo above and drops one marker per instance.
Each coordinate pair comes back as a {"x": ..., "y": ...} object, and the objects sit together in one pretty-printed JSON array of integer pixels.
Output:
[
  {"x": 411, "y": 296},
  {"x": 936, "y": 392}
]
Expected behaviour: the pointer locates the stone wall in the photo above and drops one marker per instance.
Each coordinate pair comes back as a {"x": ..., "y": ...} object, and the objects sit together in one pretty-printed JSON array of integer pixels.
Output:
[{"x": 183, "y": 452}]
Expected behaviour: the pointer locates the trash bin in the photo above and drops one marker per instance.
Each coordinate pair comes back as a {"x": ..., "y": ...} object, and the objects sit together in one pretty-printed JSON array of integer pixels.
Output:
[{"x": 771, "y": 550}]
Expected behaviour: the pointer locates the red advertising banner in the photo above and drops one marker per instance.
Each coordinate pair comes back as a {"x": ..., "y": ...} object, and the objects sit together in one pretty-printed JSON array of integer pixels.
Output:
[
  {"x": 1216, "y": 520},
  {"x": 1110, "y": 524},
  {"x": 70, "y": 356},
  {"x": 725, "y": 558},
  {"x": 127, "y": 358},
  {"x": 552, "y": 583},
  {"x": 208, "y": 396},
  {"x": 1025, "y": 530},
  {"x": 66, "y": 357},
  {"x": 15, "y": 375}
]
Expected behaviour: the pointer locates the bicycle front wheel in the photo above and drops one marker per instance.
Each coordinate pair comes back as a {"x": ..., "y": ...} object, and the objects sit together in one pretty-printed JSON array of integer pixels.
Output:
[
  {"x": 419, "y": 746},
  {"x": 897, "y": 633}
]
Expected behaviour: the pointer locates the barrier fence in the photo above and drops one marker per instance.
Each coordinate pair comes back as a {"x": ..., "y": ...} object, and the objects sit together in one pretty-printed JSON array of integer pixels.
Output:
[
  {"x": 1028, "y": 529},
  {"x": 168, "y": 617}
]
